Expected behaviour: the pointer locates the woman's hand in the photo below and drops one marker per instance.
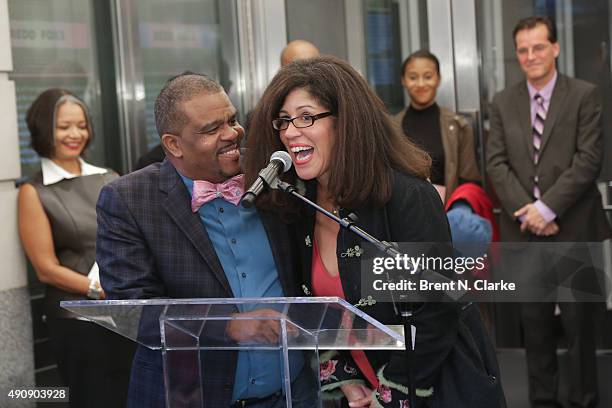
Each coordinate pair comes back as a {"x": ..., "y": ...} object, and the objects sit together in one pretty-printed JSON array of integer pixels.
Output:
[{"x": 358, "y": 395}]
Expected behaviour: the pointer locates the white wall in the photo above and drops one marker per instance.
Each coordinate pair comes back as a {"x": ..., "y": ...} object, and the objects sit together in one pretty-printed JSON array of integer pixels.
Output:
[{"x": 12, "y": 264}]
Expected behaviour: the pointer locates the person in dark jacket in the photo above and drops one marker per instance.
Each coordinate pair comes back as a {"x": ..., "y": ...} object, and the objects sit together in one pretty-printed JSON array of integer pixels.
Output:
[
  {"x": 544, "y": 155},
  {"x": 155, "y": 155},
  {"x": 57, "y": 225},
  {"x": 175, "y": 230},
  {"x": 352, "y": 159},
  {"x": 445, "y": 135}
]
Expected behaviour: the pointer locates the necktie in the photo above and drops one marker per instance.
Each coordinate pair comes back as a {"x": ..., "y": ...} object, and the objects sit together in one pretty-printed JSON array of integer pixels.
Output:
[
  {"x": 538, "y": 131},
  {"x": 204, "y": 191}
]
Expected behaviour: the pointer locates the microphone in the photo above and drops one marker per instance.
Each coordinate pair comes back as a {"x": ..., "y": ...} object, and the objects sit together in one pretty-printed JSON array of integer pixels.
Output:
[{"x": 280, "y": 162}]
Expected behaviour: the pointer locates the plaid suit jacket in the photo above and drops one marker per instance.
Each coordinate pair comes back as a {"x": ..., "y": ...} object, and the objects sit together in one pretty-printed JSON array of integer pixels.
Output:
[{"x": 151, "y": 245}]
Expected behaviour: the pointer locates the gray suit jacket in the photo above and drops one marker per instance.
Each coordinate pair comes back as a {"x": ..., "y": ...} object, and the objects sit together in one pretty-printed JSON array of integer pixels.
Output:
[
  {"x": 151, "y": 245},
  {"x": 569, "y": 164}
]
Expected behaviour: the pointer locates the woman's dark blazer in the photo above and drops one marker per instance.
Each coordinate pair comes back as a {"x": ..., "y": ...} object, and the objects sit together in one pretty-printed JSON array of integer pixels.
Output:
[{"x": 453, "y": 352}]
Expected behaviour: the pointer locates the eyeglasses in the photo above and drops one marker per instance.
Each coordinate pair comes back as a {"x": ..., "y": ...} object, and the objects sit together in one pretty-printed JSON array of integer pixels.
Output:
[{"x": 302, "y": 121}]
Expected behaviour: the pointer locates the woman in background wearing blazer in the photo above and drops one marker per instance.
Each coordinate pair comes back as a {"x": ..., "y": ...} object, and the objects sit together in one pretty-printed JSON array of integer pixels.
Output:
[
  {"x": 446, "y": 136},
  {"x": 57, "y": 225}
]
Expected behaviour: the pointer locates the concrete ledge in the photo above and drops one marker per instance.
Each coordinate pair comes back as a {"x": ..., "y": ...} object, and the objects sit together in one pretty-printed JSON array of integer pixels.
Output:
[
  {"x": 9, "y": 154},
  {"x": 13, "y": 273},
  {"x": 17, "y": 368}
]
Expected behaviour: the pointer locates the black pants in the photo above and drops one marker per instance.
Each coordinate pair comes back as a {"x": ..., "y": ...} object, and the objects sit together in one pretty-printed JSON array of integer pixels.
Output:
[
  {"x": 93, "y": 362},
  {"x": 562, "y": 271},
  {"x": 541, "y": 347}
]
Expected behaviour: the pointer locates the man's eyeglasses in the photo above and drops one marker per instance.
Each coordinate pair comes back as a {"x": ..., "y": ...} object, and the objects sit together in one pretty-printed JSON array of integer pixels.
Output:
[{"x": 302, "y": 121}]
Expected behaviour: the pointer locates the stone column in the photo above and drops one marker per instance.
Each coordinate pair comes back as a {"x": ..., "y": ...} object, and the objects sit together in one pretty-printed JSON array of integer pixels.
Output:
[{"x": 17, "y": 354}]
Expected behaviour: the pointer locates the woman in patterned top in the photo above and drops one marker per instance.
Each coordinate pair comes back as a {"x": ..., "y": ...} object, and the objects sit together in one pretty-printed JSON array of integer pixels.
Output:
[{"x": 352, "y": 159}]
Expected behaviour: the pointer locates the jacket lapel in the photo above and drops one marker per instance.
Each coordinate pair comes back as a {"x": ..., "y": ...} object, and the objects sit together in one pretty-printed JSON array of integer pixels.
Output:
[
  {"x": 448, "y": 132},
  {"x": 557, "y": 101},
  {"x": 281, "y": 250},
  {"x": 178, "y": 206},
  {"x": 523, "y": 107},
  {"x": 305, "y": 237}
]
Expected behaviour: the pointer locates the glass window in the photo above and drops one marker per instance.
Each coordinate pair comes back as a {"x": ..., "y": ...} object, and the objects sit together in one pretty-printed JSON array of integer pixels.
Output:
[
  {"x": 389, "y": 31},
  {"x": 322, "y": 22},
  {"x": 53, "y": 46},
  {"x": 393, "y": 30},
  {"x": 583, "y": 32},
  {"x": 383, "y": 53},
  {"x": 163, "y": 39},
  {"x": 175, "y": 37}
]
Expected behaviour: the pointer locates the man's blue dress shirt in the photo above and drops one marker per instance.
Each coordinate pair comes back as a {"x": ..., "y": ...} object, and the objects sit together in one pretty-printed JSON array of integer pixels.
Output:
[{"x": 241, "y": 243}]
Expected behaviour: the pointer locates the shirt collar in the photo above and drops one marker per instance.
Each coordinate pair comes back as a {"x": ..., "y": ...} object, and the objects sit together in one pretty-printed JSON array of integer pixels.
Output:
[
  {"x": 188, "y": 182},
  {"x": 52, "y": 173},
  {"x": 546, "y": 91}
]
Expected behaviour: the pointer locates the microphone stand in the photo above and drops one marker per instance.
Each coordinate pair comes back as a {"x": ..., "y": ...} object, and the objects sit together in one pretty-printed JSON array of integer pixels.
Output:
[{"x": 348, "y": 223}]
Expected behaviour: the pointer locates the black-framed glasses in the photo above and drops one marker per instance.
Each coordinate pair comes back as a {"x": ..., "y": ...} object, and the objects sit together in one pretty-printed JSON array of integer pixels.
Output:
[{"x": 302, "y": 121}]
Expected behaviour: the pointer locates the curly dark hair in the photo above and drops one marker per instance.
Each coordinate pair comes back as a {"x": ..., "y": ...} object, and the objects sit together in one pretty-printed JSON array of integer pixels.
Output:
[
  {"x": 368, "y": 144},
  {"x": 41, "y": 116}
]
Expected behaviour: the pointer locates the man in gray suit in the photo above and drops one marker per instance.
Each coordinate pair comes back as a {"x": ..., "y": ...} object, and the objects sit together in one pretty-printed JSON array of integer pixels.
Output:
[
  {"x": 543, "y": 157},
  {"x": 175, "y": 230}
]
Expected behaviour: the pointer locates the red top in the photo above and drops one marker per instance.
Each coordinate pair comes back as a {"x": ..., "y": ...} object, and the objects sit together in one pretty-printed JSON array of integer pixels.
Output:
[{"x": 323, "y": 284}]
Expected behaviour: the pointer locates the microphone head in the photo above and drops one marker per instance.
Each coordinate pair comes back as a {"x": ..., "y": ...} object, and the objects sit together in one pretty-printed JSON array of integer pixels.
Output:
[{"x": 284, "y": 158}]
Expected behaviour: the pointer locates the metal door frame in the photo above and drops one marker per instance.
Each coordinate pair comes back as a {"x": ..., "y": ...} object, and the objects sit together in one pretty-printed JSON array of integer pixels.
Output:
[{"x": 453, "y": 38}]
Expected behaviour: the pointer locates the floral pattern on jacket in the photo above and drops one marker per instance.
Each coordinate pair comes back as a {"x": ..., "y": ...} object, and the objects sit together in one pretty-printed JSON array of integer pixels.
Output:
[
  {"x": 392, "y": 395},
  {"x": 335, "y": 370}
]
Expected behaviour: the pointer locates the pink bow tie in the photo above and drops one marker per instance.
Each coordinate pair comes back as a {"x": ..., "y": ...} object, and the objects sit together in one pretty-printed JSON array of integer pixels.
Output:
[{"x": 204, "y": 191}]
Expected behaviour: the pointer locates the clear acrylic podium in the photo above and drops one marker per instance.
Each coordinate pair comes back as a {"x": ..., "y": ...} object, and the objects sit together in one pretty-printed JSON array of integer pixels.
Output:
[{"x": 195, "y": 336}]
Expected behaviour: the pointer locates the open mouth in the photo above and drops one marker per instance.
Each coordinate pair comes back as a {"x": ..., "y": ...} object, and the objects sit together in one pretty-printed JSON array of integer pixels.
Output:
[
  {"x": 230, "y": 152},
  {"x": 302, "y": 154}
]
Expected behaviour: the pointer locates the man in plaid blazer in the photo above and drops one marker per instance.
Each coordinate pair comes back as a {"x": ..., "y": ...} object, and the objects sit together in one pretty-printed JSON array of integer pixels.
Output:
[{"x": 156, "y": 240}]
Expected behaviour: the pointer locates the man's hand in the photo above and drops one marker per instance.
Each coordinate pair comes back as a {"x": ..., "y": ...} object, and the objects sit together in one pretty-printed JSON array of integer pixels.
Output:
[
  {"x": 532, "y": 219},
  {"x": 258, "y": 326},
  {"x": 357, "y": 395},
  {"x": 551, "y": 229}
]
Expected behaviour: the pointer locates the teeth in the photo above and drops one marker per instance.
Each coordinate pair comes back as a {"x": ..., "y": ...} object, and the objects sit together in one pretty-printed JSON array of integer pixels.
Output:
[
  {"x": 230, "y": 152},
  {"x": 300, "y": 149},
  {"x": 228, "y": 149}
]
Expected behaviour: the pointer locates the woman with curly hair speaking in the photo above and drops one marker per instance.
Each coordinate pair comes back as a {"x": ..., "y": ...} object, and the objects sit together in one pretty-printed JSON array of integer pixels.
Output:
[{"x": 352, "y": 159}]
